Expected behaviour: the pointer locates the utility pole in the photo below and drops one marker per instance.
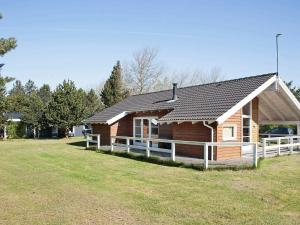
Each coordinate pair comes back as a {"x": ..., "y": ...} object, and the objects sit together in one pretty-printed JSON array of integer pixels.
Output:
[{"x": 277, "y": 35}]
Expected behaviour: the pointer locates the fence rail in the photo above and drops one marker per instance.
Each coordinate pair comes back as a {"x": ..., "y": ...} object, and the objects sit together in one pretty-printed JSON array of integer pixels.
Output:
[
  {"x": 280, "y": 145},
  {"x": 148, "y": 148},
  {"x": 93, "y": 139}
]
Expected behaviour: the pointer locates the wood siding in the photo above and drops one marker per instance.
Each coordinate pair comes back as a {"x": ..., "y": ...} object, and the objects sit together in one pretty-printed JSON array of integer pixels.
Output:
[
  {"x": 190, "y": 132},
  {"x": 230, "y": 152}
]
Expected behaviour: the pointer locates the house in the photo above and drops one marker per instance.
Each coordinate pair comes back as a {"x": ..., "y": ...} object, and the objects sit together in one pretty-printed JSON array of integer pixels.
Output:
[{"x": 227, "y": 111}]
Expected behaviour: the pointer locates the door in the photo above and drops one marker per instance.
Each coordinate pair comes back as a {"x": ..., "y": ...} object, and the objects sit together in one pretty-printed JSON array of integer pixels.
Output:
[{"x": 145, "y": 128}]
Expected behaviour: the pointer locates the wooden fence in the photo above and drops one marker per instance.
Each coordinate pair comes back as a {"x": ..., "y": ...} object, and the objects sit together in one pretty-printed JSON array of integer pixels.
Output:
[
  {"x": 148, "y": 148},
  {"x": 93, "y": 139}
]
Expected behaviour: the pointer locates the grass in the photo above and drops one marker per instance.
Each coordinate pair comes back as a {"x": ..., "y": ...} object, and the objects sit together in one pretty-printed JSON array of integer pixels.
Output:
[{"x": 58, "y": 182}]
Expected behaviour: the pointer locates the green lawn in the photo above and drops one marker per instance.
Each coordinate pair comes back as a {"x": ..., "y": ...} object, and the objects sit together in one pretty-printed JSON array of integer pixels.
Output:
[{"x": 57, "y": 182}]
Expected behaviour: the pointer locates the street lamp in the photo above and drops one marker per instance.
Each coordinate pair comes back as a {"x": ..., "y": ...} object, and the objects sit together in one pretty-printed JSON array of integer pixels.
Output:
[{"x": 277, "y": 35}]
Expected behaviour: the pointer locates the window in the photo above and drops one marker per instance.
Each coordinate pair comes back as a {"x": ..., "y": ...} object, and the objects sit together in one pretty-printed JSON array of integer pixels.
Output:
[{"x": 229, "y": 132}]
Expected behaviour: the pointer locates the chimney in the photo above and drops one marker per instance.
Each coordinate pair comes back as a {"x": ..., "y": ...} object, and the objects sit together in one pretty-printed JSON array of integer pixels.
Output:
[{"x": 174, "y": 92}]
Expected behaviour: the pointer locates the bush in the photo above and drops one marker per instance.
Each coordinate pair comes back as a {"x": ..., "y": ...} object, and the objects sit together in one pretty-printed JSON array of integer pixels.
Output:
[{"x": 16, "y": 130}]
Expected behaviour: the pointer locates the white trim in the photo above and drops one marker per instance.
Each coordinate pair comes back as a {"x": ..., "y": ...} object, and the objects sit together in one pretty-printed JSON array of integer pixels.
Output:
[
  {"x": 250, "y": 118},
  {"x": 117, "y": 117},
  {"x": 183, "y": 121},
  {"x": 289, "y": 93},
  {"x": 234, "y": 132},
  {"x": 251, "y": 96}
]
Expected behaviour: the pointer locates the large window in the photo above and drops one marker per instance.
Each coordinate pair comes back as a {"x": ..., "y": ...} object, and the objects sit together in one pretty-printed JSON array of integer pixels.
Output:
[
  {"x": 229, "y": 132},
  {"x": 247, "y": 111}
]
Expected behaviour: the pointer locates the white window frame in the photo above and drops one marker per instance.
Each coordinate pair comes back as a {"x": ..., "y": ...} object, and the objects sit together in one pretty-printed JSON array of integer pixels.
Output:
[
  {"x": 142, "y": 118},
  {"x": 250, "y": 123},
  {"x": 234, "y": 138}
]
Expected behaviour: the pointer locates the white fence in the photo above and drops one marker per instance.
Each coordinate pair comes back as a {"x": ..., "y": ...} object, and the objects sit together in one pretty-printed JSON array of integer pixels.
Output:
[
  {"x": 280, "y": 145},
  {"x": 148, "y": 148},
  {"x": 93, "y": 139}
]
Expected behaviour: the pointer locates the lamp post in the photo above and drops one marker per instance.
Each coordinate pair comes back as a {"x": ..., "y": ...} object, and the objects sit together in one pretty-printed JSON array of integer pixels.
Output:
[{"x": 277, "y": 36}]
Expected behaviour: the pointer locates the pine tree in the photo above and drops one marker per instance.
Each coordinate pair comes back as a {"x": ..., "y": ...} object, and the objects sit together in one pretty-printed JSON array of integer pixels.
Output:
[
  {"x": 295, "y": 90},
  {"x": 5, "y": 46},
  {"x": 93, "y": 103},
  {"x": 8, "y": 44},
  {"x": 16, "y": 97},
  {"x": 32, "y": 112},
  {"x": 67, "y": 106},
  {"x": 113, "y": 90}
]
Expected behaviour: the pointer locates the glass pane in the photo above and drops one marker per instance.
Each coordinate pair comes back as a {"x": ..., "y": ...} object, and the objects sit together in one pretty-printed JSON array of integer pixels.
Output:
[
  {"x": 154, "y": 131},
  {"x": 246, "y": 122},
  {"x": 246, "y": 109},
  {"x": 138, "y": 122},
  {"x": 246, "y": 139},
  {"x": 146, "y": 122},
  {"x": 138, "y": 131},
  {"x": 246, "y": 132}
]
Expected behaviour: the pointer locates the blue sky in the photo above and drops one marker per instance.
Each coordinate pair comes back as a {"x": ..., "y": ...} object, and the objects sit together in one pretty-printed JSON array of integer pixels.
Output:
[{"x": 82, "y": 40}]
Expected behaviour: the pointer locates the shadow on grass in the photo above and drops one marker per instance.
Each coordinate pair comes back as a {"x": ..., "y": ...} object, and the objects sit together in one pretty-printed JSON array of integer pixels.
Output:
[
  {"x": 170, "y": 163},
  {"x": 78, "y": 143}
]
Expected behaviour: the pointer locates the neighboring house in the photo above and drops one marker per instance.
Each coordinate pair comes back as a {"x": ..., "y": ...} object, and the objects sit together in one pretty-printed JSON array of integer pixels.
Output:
[{"x": 227, "y": 111}]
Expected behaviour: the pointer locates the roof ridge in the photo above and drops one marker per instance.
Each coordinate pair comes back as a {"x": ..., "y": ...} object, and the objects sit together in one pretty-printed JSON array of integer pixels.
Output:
[{"x": 236, "y": 79}]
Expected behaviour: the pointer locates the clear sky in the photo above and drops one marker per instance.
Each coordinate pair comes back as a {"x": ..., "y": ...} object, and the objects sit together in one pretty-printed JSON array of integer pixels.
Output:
[{"x": 82, "y": 40}]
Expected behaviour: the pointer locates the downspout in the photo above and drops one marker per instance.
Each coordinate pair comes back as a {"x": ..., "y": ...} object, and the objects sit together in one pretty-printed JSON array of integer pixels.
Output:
[{"x": 212, "y": 138}]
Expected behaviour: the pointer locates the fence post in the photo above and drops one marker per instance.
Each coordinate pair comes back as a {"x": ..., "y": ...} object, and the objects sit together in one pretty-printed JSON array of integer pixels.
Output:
[
  {"x": 292, "y": 145},
  {"x": 127, "y": 145},
  {"x": 205, "y": 156},
  {"x": 148, "y": 148},
  {"x": 264, "y": 147},
  {"x": 112, "y": 144},
  {"x": 255, "y": 155},
  {"x": 87, "y": 142},
  {"x": 173, "y": 151},
  {"x": 278, "y": 143},
  {"x": 98, "y": 141}
]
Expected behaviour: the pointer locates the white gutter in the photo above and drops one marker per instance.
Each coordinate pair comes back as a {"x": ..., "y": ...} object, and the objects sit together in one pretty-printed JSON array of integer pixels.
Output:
[{"x": 212, "y": 138}]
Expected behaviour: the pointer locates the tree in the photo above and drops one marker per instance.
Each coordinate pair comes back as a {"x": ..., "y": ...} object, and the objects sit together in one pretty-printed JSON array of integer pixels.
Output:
[
  {"x": 143, "y": 72},
  {"x": 5, "y": 46},
  {"x": 30, "y": 87},
  {"x": 8, "y": 44},
  {"x": 197, "y": 77},
  {"x": 16, "y": 97},
  {"x": 33, "y": 111},
  {"x": 295, "y": 90},
  {"x": 45, "y": 94},
  {"x": 93, "y": 103},
  {"x": 3, "y": 100},
  {"x": 113, "y": 90},
  {"x": 67, "y": 106}
]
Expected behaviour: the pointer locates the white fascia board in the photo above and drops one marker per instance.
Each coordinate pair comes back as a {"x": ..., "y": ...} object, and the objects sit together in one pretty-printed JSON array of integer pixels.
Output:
[
  {"x": 289, "y": 93},
  {"x": 242, "y": 103},
  {"x": 116, "y": 118},
  {"x": 182, "y": 121}
]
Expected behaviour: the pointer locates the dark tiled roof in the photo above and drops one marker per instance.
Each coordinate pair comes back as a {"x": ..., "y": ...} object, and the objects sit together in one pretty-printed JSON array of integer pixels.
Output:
[{"x": 201, "y": 102}]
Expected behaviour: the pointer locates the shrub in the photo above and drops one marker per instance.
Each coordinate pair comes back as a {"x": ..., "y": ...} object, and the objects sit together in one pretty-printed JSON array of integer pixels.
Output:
[{"x": 16, "y": 130}]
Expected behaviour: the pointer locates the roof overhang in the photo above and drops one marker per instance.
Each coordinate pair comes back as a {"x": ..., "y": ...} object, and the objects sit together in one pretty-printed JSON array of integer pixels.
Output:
[
  {"x": 183, "y": 121},
  {"x": 116, "y": 118},
  {"x": 277, "y": 103}
]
